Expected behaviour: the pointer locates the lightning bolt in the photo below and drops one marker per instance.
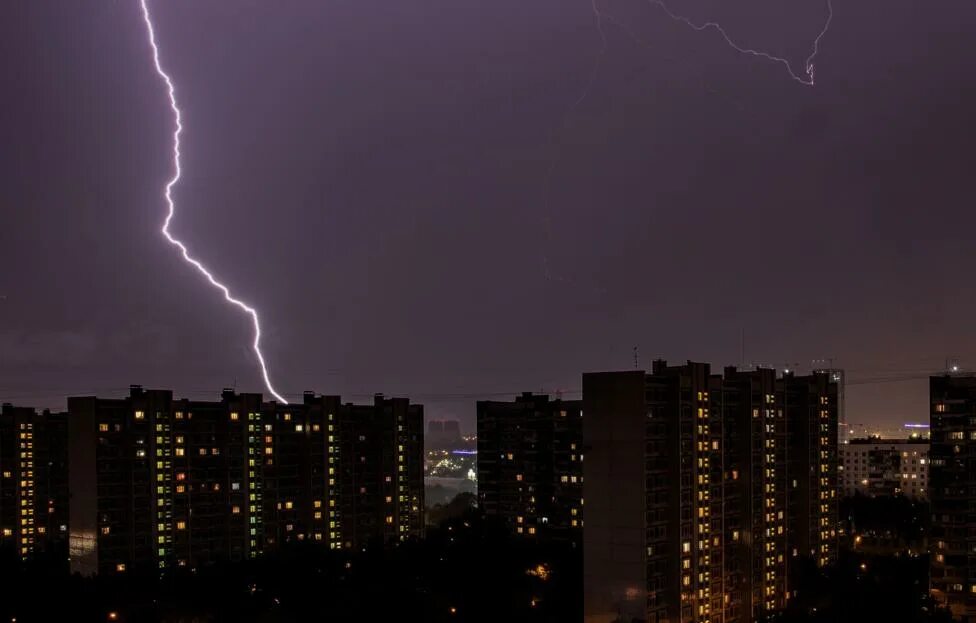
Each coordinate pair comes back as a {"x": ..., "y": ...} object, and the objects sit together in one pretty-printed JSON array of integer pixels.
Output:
[
  {"x": 806, "y": 78},
  {"x": 171, "y": 207}
]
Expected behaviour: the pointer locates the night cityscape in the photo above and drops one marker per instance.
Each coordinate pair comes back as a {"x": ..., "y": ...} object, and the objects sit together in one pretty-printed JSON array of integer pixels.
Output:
[{"x": 609, "y": 311}]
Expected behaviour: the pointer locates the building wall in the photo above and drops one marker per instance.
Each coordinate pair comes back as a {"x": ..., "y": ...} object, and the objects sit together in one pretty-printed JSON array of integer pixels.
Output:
[
  {"x": 530, "y": 465},
  {"x": 33, "y": 487},
  {"x": 615, "y": 552},
  {"x": 739, "y": 477},
  {"x": 885, "y": 467},
  {"x": 952, "y": 479},
  {"x": 158, "y": 483}
]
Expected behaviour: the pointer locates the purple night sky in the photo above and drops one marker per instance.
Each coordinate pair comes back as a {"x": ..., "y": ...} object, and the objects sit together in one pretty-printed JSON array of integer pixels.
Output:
[{"x": 371, "y": 175}]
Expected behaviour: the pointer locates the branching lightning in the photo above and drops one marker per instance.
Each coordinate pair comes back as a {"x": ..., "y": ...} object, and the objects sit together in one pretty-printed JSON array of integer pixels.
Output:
[
  {"x": 171, "y": 207},
  {"x": 806, "y": 78}
]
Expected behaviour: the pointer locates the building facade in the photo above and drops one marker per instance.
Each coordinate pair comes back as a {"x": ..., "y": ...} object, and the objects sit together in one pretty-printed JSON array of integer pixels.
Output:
[
  {"x": 157, "y": 482},
  {"x": 952, "y": 493},
  {"x": 530, "y": 465},
  {"x": 702, "y": 490},
  {"x": 33, "y": 481},
  {"x": 884, "y": 467}
]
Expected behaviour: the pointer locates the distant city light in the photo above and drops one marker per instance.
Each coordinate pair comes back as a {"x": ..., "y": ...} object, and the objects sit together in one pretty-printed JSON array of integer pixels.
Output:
[
  {"x": 916, "y": 425},
  {"x": 464, "y": 452}
]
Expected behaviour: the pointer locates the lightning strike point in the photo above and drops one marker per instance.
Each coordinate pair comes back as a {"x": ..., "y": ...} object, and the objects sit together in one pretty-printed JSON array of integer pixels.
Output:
[{"x": 171, "y": 207}]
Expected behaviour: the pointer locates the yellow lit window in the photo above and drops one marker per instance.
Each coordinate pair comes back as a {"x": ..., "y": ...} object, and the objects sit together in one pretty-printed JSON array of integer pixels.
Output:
[
  {"x": 139, "y": 415},
  {"x": 181, "y": 525},
  {"x": 120, "y": 567},
  {"x": 234, "y": 417},
  {"x": 103, "y": 427},
  {"x": 236, "y": 510}
]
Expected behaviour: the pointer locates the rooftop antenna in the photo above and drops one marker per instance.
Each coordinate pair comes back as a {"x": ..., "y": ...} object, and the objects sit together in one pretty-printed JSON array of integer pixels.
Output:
[{"x": 636, "y": 359}]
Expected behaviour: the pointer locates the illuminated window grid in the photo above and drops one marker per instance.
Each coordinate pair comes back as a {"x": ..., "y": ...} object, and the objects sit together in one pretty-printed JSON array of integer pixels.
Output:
[
  {"x": 332, "y": 490},
  {"x": 26, "y": 489}
]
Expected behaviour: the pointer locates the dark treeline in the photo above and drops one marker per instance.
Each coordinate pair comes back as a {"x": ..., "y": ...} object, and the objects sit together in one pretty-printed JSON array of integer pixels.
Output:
[{"x": 466, "y": 570}]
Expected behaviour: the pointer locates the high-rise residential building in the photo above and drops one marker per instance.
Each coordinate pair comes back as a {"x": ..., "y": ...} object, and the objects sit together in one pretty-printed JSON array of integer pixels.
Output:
[
  {"x": 701, "y": 490},
  {"x": 885, "y": 467},
  {"x": 158, "y": 482},
  {"x": 33, "y": 481},
  {"x": 375, "y": 471},
  {"x": 811, "y": 408},
  {"x": 530, "y": 473},
  {"x": 952, "y": 493}
]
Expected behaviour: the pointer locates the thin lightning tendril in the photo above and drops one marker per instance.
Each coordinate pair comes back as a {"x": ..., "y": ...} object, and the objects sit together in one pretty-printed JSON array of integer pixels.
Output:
[
  {"x": 808, "y": 64},
  {"x": 807, "y": 79},
  {"x": 171, "y": 207}
]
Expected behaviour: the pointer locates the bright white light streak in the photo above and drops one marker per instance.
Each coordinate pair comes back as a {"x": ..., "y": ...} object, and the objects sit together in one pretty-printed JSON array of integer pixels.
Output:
[{"x": 171, "y": 207}]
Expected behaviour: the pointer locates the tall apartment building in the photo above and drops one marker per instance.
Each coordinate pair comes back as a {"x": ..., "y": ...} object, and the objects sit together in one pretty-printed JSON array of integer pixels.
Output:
[
  {"x": 33, "y": 481},
  {"x": 375, "y": 471},
  {"x": 702, "y": 489},
  {"x": 952, "y": 492},
  {"x": 884, "y": 467},
  {"x": 157, "y": 482},
  {"x": 530, "y": 465}
]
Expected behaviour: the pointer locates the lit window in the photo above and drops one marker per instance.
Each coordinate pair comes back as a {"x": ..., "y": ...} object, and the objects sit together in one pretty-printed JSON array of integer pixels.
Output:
[
  {"x": 120, "y": 567},
  {"x": 139, "y": 415},
  {"x": 234, "y": 417},
  {"x": 181, "y": 525},
  {"x": 103, "y": 427}
]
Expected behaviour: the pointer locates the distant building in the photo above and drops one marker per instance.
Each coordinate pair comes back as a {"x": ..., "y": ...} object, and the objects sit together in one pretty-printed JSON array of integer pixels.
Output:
[
  {"x": 702, "y": 490},
  {"x": 157, "y": 482},
  {"x": 33, "y": 481},
  {"x": 883, "y": 467},
  {"x": 530, "y": 456},
  {"x": 952, "y": 491}
]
